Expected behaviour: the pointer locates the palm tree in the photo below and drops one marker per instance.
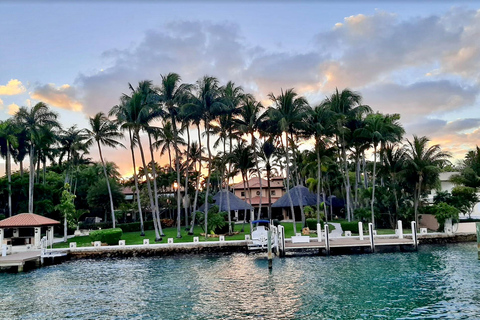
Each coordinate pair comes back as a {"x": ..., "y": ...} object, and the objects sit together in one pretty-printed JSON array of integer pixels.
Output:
[
  {"x": 249, "y": 122},
  {"x": 423, "y": 165},
  {"x": 289, "y": 112},
  {"x": 8, "y": 141},
  {"x": 33, "y": 120},
  {"x": 173, "y": 95},
  {"x": 208, "y": 103},
  {"x": 104, "y": 132},
  {"x": 268, "y": 149},
  {"x": 348, "y": 106},
  {"x": 380, "y": 128},
  {"x": 322, "y": 127}
]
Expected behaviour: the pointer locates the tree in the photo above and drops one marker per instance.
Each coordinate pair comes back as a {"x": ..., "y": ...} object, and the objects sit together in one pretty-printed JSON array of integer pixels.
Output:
[
  {"x": 289, "y": 112},
  {"x": 104, "y": 132},
  {"x": 34, "y": 120},
  {"x": 423, "y": 165},
  {"x": 347, "y": 106},
  {"x": 67, "y": 208},
  {"x": 464, "y": 199},
  {"x": 8, "y": 141}
]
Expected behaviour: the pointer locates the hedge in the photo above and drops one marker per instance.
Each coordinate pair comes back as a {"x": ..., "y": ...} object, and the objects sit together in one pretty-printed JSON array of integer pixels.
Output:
[
  {"x": 312, "y": 223},
  {"x": 350, "y": 226},
  {"x": 109, "y": 236}
]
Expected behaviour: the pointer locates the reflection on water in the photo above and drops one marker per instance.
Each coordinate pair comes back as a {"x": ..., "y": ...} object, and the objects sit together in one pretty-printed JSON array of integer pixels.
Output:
[{"x": 436, "y": 282}]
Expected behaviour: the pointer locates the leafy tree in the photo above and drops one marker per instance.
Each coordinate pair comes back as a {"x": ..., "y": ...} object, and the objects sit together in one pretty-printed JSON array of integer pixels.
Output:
[
  {"x": 67, "y": 208},
  {"x": 464, "y": 199},
  {"x": 442, "y": 212}
]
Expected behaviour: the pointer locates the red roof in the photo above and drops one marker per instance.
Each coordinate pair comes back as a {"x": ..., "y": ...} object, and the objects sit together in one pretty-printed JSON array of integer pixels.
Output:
[{"x": 27, "y": 220}]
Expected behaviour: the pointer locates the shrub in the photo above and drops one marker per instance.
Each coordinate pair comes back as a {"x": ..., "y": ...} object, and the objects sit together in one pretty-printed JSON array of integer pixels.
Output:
[
  {"x": 2, "y": 216},
  {"x": 312, "y": 223},
  {"x": 443, "y": 211},
  {"x": 109, "y": 236},
  {"x": 350, "y": 226},
  {"x": 167, "y": 223}
]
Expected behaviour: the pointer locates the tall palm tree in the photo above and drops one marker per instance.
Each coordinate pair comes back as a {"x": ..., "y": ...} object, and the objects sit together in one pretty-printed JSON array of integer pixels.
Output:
[
  {"x": 348, "y": 106},
  {"x": 8, "y": 141},
  {"x": 208, "y": 103},
  {"x": 249, "y": 121},
  {"x": 423, "y": 165},
  {"x": 33, "y": 120},
  {"x": 380, "y": 128},
  {"x": 173, "y": 94},
  {"x": 289, "y": 112},
  {"x": 268, "y": 149},
  {"x": 104, "y": 132},
  {"x": 321, "y": 126}
]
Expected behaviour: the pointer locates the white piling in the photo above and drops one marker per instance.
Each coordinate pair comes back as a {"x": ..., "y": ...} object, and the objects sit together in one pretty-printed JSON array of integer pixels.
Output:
[
  {"x": 319, "y": 232},
  {"x": 414, "y": 234},
  {"x": 370, "y": 232},
  {"x": 327, "y": 239},
  {"x": 360, "y": 230},
  {"x": 400, "y": 229}
]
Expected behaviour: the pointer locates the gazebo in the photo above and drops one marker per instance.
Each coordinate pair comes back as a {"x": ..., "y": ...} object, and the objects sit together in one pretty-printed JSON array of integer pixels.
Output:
[
  {"x": 236, "y": 204},
  {"x": 300, "y": 196},
  {"x": 24, "y": 231}
]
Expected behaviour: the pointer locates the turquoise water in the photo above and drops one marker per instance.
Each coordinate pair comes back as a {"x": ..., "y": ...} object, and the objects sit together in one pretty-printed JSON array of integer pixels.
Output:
[{"x": 437, "y": 282}]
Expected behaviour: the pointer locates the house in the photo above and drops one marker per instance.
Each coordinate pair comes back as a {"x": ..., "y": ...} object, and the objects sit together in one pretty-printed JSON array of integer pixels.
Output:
[{"x": 277, "y": 190}]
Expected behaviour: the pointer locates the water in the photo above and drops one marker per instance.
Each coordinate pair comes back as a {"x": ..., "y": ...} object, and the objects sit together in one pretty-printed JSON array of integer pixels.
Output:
[{"x": 437, "y": 282}]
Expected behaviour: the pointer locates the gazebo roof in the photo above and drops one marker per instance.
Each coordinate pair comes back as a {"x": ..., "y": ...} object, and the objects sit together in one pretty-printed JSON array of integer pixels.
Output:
[
  {"x": 27, "y": 220},
  {"x": 235, "y": 202},
  {"x": 299, "y": 192}
]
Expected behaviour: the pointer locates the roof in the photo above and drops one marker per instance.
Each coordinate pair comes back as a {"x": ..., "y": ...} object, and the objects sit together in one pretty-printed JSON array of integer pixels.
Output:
[
  {"x": 297, "y": 193},
  {"x": 27, "y": 220},
  {"x": 256, "y": 200},
  {"x": 254, "y": 183},
  {"x": 235, "y": 202}
]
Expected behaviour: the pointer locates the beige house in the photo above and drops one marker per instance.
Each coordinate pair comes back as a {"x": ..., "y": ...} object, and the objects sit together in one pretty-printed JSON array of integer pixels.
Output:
[{"x": 277, "y": 190}]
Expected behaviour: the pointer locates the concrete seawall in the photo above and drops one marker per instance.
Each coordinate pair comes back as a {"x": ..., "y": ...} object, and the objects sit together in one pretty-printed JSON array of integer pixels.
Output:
[{"x": 157, "y": 249}]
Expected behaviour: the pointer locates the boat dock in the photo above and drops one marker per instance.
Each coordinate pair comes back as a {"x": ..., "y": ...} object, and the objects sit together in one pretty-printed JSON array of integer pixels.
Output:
[{"x": 21, "y": 260}]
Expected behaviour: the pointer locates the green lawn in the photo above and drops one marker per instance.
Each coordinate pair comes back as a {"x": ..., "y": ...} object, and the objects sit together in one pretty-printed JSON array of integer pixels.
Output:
[{"x": 132, "y": 238}]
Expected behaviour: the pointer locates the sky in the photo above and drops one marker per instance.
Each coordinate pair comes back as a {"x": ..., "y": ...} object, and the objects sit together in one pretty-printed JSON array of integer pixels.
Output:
[{"x": 421, "y": 60}]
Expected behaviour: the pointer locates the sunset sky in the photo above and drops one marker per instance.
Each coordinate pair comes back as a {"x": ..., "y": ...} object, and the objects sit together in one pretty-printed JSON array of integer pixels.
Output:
[{"x": 419, "y": 60}]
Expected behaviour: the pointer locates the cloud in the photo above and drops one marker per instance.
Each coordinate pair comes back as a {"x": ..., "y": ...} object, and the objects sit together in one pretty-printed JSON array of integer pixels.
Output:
[
  {"x": 420, "y": 98},
  {"x": 1, "y": 104},
  {"x": 62, "y": 97},
  {"x": 13, "y": 87},
  {"x": 366, "y": 49},
  {"x": 12, "y": 109}
]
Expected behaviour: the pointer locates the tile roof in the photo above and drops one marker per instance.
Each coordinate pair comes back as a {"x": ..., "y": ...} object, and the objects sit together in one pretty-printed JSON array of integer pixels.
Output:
[{"x": 27, "y": 220}]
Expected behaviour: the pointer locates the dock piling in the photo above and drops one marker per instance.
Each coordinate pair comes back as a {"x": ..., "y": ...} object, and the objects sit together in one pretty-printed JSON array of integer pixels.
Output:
[
  {"x": 414, "y": 235},
  {"x": 360, "y": 230},
  {"x": 327, "y": 239},
  {"x": 269, "y": 248},
  {"x": 370, "y": 233},
  {"x": 478, "y": 239}
]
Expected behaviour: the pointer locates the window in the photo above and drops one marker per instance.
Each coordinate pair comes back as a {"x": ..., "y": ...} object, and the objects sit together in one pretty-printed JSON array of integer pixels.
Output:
[
  {"x": 272, "y": 192},
  {"x": 258, "y": 193},
  {"x": 242, "y": 194}
]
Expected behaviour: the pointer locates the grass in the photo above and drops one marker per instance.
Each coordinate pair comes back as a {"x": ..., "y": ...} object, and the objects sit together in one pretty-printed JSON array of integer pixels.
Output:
[{"x": 132, "y": 238}]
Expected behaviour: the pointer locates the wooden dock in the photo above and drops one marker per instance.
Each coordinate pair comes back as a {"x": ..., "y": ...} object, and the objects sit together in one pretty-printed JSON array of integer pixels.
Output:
[
  {"x": 348, "y": 242},
  {"x": 20, "y": 259}
]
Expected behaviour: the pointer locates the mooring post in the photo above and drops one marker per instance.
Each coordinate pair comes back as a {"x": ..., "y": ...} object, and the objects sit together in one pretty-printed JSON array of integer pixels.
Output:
[
  {"x": 478, "y": 239},
  {"x": 327, "y": 239},
  {"x": 360, "y": 230},
  {"x": 319, "y": 232},
  {"x": 414, "y": 235},
  {"x": 281, "y": 240},
  {"x": 269, "y": 248},
  {"x": 370, "y": 233},
  {"x": 400, "y": 229}
]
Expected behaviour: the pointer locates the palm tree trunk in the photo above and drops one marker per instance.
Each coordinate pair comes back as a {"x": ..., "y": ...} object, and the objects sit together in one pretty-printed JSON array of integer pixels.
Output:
[
  {"x": 227, "y": 190},
  {"x": 31, "y": 179},
  {"x": 300, "y": 198},
  {"x": 347, "y": 183},
  {"x": 244, "y": 199},
  {"x": 207, "y": 128},
  {"x": 288, "y": 186},
  {"x": 155, "y": 188},
  {"x": 259, "y": 175},
  {"x": 269, "y": 191},
  {"x": 149, "y": 189},
  {"x": 364, "y": 168},
  {"x": 319, "y": 177},
  {"x": 177, "y": 168},
  {"x": 187, "y": 198},
  {"x": 108, "y": 184},
  {"x": 373, "y": 183},
  {"x": 8, "y": 165},
  {"x": 197, "y": 180},
  {"x": 137, "y": 190}
]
